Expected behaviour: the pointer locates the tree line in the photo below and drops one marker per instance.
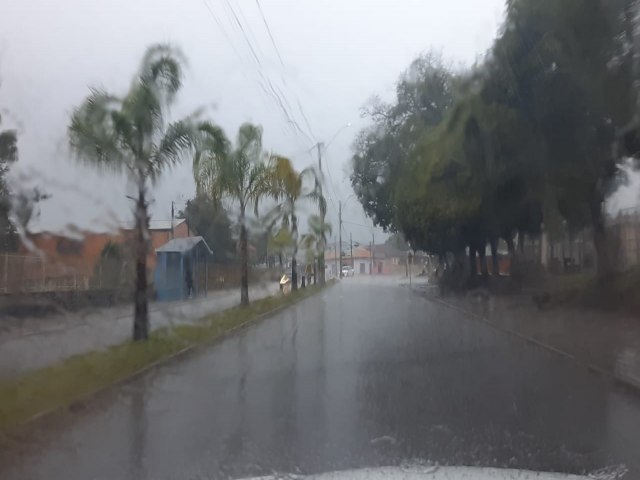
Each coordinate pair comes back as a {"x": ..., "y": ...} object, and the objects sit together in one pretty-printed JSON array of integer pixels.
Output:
[
  {"x": 531, "y": 138},
  {"x": 132, "y": 134}
]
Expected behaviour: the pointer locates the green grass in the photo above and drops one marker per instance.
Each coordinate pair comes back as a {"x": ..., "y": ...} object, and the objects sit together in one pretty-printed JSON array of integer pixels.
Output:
[
  {"x": 80, "y": 376},
  {"x": 620, "y": 293}
]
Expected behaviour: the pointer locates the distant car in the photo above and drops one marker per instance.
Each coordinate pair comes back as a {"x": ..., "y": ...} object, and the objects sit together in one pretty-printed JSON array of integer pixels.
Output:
[{"x": 347, "y": 271}]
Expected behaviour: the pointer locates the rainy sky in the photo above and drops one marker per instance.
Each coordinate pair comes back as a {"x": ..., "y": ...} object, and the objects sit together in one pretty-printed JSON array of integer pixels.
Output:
[{"x": 325, "y": 60}]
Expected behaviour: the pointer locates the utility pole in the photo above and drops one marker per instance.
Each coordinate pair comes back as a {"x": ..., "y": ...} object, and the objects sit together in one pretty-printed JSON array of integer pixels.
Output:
[
  {"x": 320, "y": 145},
  {"x": 371, "y": 258},
  {"x": 335, "y": 258},
  {"x": 187, "y": 217},
  {"x": 373, "y": 245},
  {"x": 172, "y": 204},
  {"x": 353, "y": 265},
  {"x": 340, "y": 235},
  {"x": 321, "y": 262}
]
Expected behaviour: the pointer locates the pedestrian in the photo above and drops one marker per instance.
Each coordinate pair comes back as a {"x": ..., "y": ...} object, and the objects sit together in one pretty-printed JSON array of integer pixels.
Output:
[{"x": 189, "y": 280}]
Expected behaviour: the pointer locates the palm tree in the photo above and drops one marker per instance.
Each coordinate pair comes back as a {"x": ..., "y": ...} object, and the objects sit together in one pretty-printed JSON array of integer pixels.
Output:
[
  {"x": 131, "y": 135},
  {"x": 289, "y": 187},
  {"x": 315, "y": 241},
  {"x": 240, "y": 175},
  {"x": 279, "y": 241}
]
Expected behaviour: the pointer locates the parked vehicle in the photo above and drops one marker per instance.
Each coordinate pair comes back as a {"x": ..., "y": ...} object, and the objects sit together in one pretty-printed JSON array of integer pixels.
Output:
[{"x": 347, "y": 271}]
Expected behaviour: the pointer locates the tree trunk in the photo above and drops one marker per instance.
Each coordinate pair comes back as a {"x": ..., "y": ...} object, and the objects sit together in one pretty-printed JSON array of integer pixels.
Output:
[
  {"x": 605, "y": 269},
  {"x": 315, "y": 274},
  {"x": 473, "y": 263},
  {"x": 244, "y": 263},
  {"x": 483, "y": 259},
  {"x": 495, "y": 264},
  {"x": 321, "y": 265},
  {"x": 511, "y": 247},
  {"x": 141, "y": 297},
  {"x": 294, "y": 262}
]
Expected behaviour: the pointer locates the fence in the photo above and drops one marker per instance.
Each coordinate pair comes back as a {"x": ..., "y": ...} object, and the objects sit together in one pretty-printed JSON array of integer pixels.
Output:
[
  {"x": 30, "y": 273},
  {"x": 625, "y": 238}
]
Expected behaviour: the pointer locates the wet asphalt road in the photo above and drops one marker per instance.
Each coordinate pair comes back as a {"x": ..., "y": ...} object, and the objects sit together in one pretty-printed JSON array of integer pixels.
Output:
[{"x": 364, "y": 374}]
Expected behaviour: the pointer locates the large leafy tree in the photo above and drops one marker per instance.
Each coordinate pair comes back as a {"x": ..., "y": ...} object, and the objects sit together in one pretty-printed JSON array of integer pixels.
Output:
[
  {"x": 569, "y": 78},
  {"x": 207, "y": 217},
  {"x": 8, "y": 155},
  {"x": 424, "y": 94},
  {"x": 526, "y": 138},
  {"x": 238, "y": 174},
  {"x": 131, "y": 134}
]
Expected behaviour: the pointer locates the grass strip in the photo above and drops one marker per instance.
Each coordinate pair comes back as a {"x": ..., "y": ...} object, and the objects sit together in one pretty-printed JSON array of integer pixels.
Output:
[{"x": 80, "y": 376}]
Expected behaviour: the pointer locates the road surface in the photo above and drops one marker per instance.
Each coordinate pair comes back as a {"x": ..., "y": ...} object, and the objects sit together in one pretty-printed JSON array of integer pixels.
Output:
[{"x": 364, "y": 374}]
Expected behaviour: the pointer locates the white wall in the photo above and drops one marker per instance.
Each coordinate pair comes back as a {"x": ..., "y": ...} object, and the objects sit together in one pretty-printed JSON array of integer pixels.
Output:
[{"x": 357, "y": 266}]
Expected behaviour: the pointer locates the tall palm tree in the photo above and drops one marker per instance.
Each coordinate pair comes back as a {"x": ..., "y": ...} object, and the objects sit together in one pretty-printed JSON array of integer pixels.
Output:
[
  {"x": 240, "y": 175},
  {"x": 315, "y": 241},
  {"x": 131, "y": 135},
  {"x": 290, "y": 187},
  {"x": 279, "y": 241}
]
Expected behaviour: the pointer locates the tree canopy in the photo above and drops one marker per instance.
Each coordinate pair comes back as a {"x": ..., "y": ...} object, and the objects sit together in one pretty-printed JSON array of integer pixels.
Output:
[{"x": 524, "y": 140}]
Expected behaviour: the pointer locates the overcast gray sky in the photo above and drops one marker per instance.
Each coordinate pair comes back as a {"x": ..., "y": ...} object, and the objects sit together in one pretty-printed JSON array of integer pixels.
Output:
[{"x": 336, "y": 54}]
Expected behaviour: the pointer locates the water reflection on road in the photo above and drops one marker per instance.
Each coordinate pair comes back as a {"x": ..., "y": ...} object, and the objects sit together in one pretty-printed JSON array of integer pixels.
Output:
[{"x": 365, "y": 374}]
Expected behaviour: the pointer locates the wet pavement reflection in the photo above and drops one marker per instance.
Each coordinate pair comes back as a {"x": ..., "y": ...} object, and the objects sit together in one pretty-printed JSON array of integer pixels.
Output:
[{"x": 361, "y": 375}]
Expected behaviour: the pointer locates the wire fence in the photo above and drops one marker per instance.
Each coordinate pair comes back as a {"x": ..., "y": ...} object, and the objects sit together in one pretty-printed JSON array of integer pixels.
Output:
[
  {"x": 30, "y": 273},
  {"x": 624, "y": 232}
]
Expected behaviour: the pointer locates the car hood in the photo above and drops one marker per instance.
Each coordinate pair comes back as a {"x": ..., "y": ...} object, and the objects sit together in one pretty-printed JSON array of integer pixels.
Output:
[{"x": 433, "y": 473}]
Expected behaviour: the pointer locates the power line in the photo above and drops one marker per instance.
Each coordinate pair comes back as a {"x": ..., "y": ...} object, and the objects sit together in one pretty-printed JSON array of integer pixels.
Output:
[
  {"x": 277, "y": 50},
  {"x": 356, "y": 224},
  {"x": 222, "y": 29},
  {"x": 266, "y": 24},
  {"x": 244, "y": 33},
  {"x": 264, "y": 82},
  {"x": 278, "y": 97}
]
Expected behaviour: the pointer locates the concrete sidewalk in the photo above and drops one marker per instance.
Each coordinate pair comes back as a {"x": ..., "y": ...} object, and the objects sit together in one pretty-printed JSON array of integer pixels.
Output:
[
  {"x": 40, "y": 342},
  {"x": 605, "y": 342}
]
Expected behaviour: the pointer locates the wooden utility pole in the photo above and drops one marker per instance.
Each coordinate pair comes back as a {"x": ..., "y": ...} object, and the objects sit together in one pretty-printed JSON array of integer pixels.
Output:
[
  {"x": 172, "y": 213},
  {"x": 335, "y": 259},
  {"x": 371, "y": 258},
  {"x": 340, "y": 236},
  {"x": 373, "y": 255},
  {"x": 353, "y": 265}
]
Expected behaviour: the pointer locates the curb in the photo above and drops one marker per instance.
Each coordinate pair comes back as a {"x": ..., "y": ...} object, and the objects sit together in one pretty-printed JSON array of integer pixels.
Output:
[
  {"x": 623, "y": 379},
  {"x": 189, "y": 348}
]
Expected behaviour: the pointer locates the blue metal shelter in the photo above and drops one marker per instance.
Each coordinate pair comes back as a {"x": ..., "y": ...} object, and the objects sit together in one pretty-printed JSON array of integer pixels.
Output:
[{"x": 182, "y": 268}]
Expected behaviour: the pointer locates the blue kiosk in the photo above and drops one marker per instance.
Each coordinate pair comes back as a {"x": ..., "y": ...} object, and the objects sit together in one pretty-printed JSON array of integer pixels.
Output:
[{"x": 182, "y": 268}]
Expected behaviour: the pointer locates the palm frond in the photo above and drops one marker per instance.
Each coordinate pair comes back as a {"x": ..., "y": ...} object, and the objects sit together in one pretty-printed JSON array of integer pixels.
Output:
[
  {"x": 145, "y": 111},
  {"x": 249, "y": 142},
  {"x": 94, "y": 132},
  {"x": 213, "y": 138},
  {"x": 212, "y": 169},
  {"x": 161, "y": 67},
  {"x": 319, "y": 228},
  {"x": 180, "y": 139}
]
